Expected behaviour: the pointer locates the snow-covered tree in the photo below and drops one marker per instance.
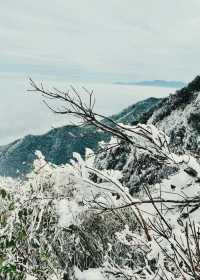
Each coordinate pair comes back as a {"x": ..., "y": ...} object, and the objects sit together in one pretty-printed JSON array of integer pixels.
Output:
[{"x": 78, "y": 221}]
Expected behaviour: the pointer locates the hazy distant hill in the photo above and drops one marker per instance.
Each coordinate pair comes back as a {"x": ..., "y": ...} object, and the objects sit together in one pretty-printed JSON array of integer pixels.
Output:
[
  {"x": 59, "y": 144},
  {"x": 156, "y": 83}
]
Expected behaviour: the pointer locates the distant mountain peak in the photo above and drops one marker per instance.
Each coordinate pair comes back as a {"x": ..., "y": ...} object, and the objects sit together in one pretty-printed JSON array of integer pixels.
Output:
[{"x": 156, "y": 83}]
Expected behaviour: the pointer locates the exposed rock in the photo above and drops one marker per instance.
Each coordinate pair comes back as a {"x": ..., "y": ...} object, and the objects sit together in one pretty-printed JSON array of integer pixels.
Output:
[{"x": 191, "y": 171}]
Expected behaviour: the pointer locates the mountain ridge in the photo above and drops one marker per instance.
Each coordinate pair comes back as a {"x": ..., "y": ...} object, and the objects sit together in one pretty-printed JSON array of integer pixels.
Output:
[
  {"x": 155, "y": 83},
  {"x": 58, "y": 144},
  {"x": 177, "y": 115}
]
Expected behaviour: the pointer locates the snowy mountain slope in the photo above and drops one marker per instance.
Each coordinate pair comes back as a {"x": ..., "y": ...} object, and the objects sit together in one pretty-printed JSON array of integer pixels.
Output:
[
  {"x": 137, "y": 166},
  {"x": 178, "y": 116},
  {"x": 97, "y": 230}
]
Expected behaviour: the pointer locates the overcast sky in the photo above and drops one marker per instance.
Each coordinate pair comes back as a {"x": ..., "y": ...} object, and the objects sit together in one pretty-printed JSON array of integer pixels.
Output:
[
  {"x": 100, "y": 39},
  {"x": 94, "y": 41}
]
